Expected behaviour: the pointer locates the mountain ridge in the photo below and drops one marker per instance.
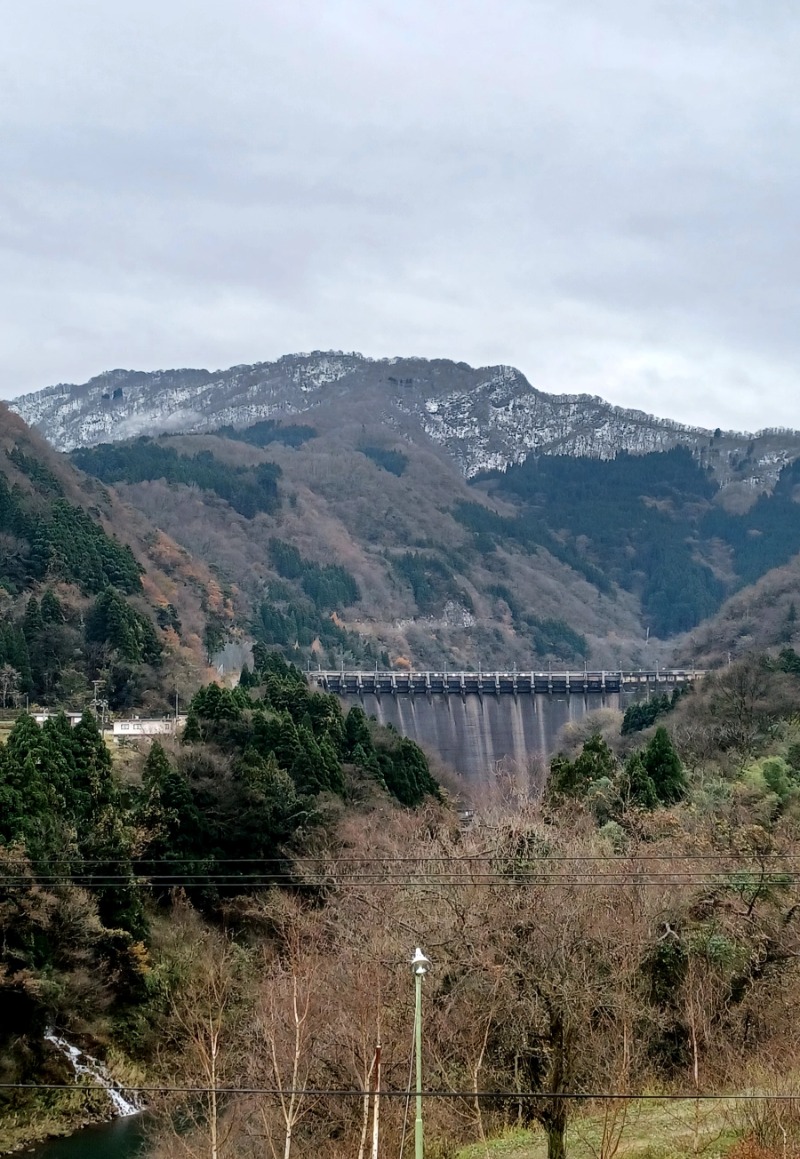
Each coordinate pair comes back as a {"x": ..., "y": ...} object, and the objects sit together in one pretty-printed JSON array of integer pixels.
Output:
[
  {"x": 479, "y": 519},
  {"x": 484, "y": 418}
]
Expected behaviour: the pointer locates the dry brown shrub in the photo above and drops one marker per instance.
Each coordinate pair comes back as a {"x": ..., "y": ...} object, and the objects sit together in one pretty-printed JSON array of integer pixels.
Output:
[{"x": 748, "y": 1148}]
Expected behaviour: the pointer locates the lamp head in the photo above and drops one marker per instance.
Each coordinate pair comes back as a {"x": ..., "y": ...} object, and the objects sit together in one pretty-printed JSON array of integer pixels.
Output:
[{"x": 420, "y": 963}]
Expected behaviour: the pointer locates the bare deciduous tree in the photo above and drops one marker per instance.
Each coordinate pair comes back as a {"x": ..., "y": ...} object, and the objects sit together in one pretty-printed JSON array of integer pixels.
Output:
[{"x": 10, "y": 680}]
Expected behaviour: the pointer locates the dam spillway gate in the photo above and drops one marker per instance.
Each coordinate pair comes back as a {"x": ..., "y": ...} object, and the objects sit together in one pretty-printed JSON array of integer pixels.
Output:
[{"x": 355, "y": 683}]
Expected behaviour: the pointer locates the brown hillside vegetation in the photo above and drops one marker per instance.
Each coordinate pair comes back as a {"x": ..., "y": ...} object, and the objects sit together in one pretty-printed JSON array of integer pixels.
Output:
[
  {"x": 765, "y": 615},
  {"x": 171, "y": 577},
  {"x": 565, "y": 547},
  {"x": 340, "y": 507},
  {"x": 584, "y": 944}
]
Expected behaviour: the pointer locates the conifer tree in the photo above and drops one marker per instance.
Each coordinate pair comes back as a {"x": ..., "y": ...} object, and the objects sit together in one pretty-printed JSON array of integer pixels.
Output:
[
  {"x": 24, "y": 798},
  {"x": 357, "y": 731},
  {"x": 637, "y": 784},
  {"x": 191, "y": 730},
  {"x": 104, "y": 839},
  {"x": 407, "y": 775},
  {"x": 595, "y": 762},
  {"x": 308, "y": 771},
  {"x": 333, "y": 769},
  {"x": 168, "y": 810},
  {"x": 664, "y": 768},
  {"x": 287, "y": 747},
  {"x": 51, "y": 610},
  {"x": 32, "y": 622}
]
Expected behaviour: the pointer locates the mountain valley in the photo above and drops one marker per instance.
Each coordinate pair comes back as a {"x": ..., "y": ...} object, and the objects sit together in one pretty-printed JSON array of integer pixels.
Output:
[
  {"x": 475, "y": 519},
  {"x": 218, "y": 892}
]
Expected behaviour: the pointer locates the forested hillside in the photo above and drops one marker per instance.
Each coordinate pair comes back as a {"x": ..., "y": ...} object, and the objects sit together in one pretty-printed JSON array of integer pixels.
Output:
[
  {"x": 90, "y": 592},
  {"x": 372, "y": 550},
  {"x": 360, "y": 558},
  {"x": 651, "y": 524},
  {"x": 90, "y": 862},
  {"x": 624, "y": 926}
]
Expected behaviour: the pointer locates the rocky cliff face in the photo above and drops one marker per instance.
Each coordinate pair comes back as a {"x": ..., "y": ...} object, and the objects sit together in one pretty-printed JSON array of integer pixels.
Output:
[{"x": 484, "y": 418}]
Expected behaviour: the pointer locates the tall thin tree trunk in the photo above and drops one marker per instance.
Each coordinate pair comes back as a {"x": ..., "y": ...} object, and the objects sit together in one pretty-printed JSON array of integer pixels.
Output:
[
  {"x": 214, "y": 1042},
  {"x": 365, "y": 1119},
  {"x": 376, "y": 1107}
]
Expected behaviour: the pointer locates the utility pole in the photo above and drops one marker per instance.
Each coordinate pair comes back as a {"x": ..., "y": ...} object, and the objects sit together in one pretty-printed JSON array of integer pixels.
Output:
[
  {"x": 376, "y": 1107},
  {"x": 420, "y": 964},
  {"x": 99, "y": 705}
]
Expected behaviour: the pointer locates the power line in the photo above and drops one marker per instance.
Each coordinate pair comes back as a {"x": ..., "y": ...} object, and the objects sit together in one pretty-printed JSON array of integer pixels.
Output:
[
  {"x": 321, "y": 1092},
  {"x": 513, "y": 879},
  {"x": 333, "y": 859},
  {"x": 240, "y": 883}
]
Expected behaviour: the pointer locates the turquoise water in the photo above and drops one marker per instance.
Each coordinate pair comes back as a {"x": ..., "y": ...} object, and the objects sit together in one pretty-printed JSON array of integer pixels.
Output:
[{"x": 121, "y": 1139}]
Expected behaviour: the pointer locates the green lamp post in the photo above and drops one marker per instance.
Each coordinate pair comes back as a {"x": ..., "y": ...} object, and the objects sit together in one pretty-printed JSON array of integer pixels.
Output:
[{"x": 420, "y": 965}]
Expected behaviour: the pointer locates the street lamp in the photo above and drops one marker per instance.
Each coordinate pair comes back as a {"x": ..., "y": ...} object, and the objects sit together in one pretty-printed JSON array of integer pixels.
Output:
[{"x": 420, "y": 966}]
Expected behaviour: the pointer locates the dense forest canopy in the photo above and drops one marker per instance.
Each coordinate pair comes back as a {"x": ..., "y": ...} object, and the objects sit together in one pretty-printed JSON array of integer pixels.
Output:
[
  {"x": 87, "y": 858},
  {"x": 646, "y": 522},
  {"x": 46, "y": 537},
  {"x": 77, "y": 606},
  {"x": 261, "y": 434},
  {"x": 393, "y": 461},
  {"x": 249, "y": 490}
]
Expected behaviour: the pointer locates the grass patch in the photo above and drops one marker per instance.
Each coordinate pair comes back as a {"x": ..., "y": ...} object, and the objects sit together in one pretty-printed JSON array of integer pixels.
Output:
[{"x": 649, "y": 1130}]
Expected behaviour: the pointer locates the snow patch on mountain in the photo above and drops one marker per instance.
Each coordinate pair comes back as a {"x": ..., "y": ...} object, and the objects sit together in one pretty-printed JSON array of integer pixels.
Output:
[{"x": 485, "y": 418}]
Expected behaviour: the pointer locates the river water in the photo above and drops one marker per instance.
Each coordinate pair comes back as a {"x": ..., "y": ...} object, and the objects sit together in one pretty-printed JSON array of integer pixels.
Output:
[
  {"x": 120, "y": 1139},
  {"x": 469, "y": 734}
]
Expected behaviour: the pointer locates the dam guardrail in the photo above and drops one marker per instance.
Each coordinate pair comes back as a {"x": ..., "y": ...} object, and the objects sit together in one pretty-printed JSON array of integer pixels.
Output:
[{"x": 356, "y": 683}]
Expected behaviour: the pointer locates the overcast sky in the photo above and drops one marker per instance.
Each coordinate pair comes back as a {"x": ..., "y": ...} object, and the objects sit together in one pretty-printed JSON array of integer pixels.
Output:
[{"x": 603, "y": 193}]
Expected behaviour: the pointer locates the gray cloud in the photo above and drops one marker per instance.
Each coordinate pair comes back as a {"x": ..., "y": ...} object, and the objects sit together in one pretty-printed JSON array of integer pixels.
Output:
[{"x": 602, "y": 193}]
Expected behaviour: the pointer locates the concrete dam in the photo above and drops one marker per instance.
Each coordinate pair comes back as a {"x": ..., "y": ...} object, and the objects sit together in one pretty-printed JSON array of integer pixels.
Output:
[
  {"x": 473, "y": 734},
  {"x": 474, "y": 721}
]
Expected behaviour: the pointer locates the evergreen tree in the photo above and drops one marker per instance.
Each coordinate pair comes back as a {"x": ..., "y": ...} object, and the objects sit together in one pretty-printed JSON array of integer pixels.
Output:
[
  {"x": 169, "y": 813},
  {"x": 191, "y": 730},
  {"x": 25, "y": 802},
  {"x": 113, "y": 621},
  {"x": 51, "y": 610},
  {"x": 562, "y": 781},
  {"x": 365, "y": 760},
  {"x": 93, "y": 769},
  {"x": 406, "y": 773},
  {"x": 595, "y": 762},
  {"x": 789, "y": 661},
  {"x": 32, "y": 622},
  {"x": 664, "y": 768},
  {"x": 357, "y": 731},
  {"x": 287, "y": 747},
  {"x": 637, "y": 784},
  {"x": 333, "y": 769},
  {"x": 308, "y": 770},
  {"x": 103, "y": 836}
]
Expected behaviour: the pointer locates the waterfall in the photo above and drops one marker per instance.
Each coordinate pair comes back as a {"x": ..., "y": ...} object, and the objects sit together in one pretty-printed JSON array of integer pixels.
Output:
[{"x": 84, "y": 1064}]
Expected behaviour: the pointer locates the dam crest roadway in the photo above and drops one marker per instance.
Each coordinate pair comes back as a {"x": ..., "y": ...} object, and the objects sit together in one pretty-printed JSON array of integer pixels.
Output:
[{"x": 355, "y": 683}]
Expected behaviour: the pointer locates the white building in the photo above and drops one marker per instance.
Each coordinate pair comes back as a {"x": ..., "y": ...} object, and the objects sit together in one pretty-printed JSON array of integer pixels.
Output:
[
  {"x": 72, "y": 717},
  {"x": 144, "y": 726}
]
